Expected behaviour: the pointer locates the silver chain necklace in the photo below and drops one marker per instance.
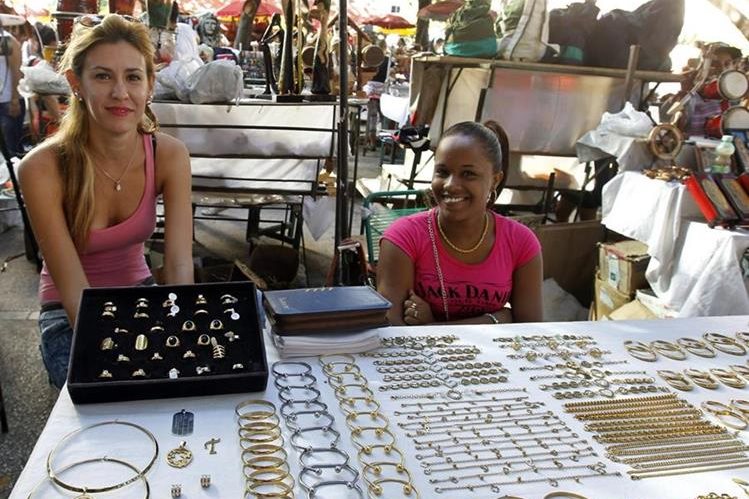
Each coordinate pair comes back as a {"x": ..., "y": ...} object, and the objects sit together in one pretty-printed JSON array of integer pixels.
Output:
[{"x": 443, "y": 291}]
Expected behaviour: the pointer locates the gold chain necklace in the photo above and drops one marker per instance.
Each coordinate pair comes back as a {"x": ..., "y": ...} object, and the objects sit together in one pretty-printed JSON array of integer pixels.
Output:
[
  {"x": 474, "y": 247},
  {"x": 118, "y": 181}
]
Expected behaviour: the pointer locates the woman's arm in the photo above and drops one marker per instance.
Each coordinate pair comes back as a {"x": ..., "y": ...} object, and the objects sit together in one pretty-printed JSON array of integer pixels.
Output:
[
  {"x": 42, "y": 192},
  {"x": 395, "y": 278},
  {"x": 175, "y": 183},
  {"x": 527, "y": 297}
]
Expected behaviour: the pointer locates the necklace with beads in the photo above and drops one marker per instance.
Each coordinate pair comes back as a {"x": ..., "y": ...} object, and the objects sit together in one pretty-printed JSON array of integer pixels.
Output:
[{"x": 472, "y": 248}]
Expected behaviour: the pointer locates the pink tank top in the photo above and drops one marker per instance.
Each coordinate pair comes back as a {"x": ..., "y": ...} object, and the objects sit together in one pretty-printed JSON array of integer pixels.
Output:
[{"x": 114, "y": 255}]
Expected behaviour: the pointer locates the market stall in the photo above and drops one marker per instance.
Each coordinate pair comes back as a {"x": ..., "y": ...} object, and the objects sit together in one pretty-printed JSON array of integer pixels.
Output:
[
  {"x": 695, "y": 270},
  {"x": 511, "y": 432}
]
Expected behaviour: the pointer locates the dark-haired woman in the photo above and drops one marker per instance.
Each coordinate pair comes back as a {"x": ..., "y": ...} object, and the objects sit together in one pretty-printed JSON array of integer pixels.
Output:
[{"x": 460, "y": 262}]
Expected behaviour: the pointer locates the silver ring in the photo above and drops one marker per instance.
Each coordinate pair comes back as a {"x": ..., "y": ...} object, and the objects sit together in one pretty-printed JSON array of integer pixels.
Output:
[
  {"x": 188, "y": 326},
  {"x": 172, "y": 342},
  {"x": 204, "y": 339},
  {"x": 216, "y": 325}
]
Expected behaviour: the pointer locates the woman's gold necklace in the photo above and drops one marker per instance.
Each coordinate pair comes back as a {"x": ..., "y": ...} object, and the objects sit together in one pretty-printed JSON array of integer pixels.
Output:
[
  {"x": 118, "y": 181},
  {"x": 474, "y": 247}
]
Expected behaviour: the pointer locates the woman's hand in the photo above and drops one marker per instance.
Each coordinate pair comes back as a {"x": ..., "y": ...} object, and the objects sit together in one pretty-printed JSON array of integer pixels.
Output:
[{"x": 416, "y": 311}]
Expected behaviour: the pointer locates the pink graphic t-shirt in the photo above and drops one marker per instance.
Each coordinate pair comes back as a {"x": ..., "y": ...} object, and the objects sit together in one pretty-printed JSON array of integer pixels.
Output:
[{"x": 471, "y": 289}]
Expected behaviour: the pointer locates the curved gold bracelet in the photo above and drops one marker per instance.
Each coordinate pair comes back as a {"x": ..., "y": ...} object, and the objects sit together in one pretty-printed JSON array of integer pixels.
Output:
[
  {"x": 560, "y": 494},
  {"x": 105, "y": 459},
  {"x": 742, "y": 425},
  {"x": 256, "y": 414},
  {"x": 53, "y": 475}
]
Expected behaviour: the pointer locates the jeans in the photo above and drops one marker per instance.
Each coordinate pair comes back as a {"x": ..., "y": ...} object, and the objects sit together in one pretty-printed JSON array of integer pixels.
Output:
[
  {"x": 57, "y": 337},
  {"x": 12, "y": 128}
]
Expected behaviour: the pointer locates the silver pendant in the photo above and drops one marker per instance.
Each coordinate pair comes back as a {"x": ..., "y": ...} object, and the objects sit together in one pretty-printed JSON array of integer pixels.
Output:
[{"x": 117, "y": 186}]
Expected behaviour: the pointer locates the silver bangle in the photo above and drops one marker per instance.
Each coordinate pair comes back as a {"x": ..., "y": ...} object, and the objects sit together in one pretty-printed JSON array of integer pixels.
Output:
[{"x": 491, "y": 316}]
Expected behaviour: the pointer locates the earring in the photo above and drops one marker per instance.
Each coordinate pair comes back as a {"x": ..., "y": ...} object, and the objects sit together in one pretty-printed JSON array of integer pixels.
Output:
[{"x": 78, "y": 96}]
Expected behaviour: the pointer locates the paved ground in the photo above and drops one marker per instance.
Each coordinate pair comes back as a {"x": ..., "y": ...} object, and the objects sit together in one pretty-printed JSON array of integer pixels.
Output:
[{"x": 27, "y": 394}]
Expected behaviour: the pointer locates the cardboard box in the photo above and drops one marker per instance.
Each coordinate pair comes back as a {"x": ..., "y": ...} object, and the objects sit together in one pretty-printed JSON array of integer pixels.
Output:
[
  {"x": 622, "y": 265},
  {"x": 633, "y": 310},
  {"x": 570, "y": 255},
  {"x": 608, "y": 299}
]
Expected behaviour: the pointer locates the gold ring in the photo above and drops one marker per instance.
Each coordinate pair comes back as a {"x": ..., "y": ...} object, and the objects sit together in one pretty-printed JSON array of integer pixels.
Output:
[
  {"x": 204, "y": 339},
  {"x": 172, "y": 342},
  {"x": 188, "y": 326}
]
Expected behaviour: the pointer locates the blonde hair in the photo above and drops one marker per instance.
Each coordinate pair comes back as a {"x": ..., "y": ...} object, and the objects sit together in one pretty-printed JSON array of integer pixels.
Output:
[{"x": 71, "y": 140}]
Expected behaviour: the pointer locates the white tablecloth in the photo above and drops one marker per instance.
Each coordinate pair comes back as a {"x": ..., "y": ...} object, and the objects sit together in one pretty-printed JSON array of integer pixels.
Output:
[
  {"x": 214, "y": 418},
  {"x": 694, "y": 269}
]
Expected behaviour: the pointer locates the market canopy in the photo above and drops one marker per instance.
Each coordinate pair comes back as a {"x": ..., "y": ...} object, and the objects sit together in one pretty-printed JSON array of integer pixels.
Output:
[{"x": 234, "y": 9}]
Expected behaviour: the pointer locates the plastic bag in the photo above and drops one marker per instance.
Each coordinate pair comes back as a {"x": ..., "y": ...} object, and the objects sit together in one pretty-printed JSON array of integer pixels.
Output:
[
  {"x": 318, "y": 215},
  {"x": 217, "y": 81},
  {"x": 628, "y": 121},
  {"x": 186, "y": 61},
  {"x": 42, "y": 79}
]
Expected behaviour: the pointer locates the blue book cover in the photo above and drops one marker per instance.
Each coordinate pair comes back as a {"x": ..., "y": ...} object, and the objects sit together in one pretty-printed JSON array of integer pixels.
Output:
[{"x": 317, "y": 301}]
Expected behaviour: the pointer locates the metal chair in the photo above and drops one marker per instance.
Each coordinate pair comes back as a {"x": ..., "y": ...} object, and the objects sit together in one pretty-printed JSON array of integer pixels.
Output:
[{"x": 396, "y": 204}]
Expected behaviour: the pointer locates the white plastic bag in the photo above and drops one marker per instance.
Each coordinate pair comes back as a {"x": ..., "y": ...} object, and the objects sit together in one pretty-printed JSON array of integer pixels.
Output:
[
  {"x": 217, "y": 81},
  {"x": 185, "y": 62},
  {"x": 318, "y": 214},
  {"x": 42, "y": 79},
  {"x": 628, "y": 121}
]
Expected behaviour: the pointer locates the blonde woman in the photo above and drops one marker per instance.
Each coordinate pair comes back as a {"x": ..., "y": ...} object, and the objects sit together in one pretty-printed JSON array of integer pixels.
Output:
[{"x": 91, "y": 188}]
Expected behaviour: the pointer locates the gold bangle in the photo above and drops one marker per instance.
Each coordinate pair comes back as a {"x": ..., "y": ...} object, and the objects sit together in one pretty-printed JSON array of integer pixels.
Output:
[
  {"x": 668, "y": 349},
  {"x": 281, "y": 475},
  {"x": 53, "y": 475},
  {"x": 714, "y": 407},
  {"x": 264, "y": 449},
  {"x": 256, "y": 414},
  {"x": 560, "y": 494},
  {"x": 255, "y": 463},
  {"x": 742, "y": 425},
  {"x": 283, "y": 493}
]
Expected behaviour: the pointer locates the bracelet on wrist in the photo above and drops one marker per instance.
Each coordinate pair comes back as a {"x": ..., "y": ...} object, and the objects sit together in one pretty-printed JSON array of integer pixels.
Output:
[{"x": 493, "y": 319}]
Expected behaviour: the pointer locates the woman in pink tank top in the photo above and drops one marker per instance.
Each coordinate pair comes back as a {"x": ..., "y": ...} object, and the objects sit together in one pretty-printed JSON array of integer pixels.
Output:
[
  {"x": 460, "y": 262},
  {"x": 91, "y": 188}
]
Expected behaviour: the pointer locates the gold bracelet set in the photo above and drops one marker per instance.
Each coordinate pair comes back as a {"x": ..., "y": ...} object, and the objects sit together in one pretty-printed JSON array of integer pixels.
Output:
[
  {"x": 734, "y": 377},
  {"x": 264, "y": 459},
  {"x": 383, "y": 463},
  {"x": 707, "y": 347},
  {"x": 660, "y": 436}
]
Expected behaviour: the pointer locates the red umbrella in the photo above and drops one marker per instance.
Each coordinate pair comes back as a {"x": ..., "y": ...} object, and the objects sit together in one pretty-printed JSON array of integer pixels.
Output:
[
  {"x": 388, "y": 21},
  {"x": 440, "y": 11},
  {"x": 234, "y": 9}
]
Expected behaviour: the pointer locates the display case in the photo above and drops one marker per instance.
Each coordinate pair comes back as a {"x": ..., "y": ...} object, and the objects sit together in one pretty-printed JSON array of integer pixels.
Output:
[{"x": 150, "y": 342}]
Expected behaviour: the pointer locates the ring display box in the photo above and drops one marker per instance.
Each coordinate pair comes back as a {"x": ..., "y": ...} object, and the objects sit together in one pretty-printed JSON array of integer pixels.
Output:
[{"x": 151, "y": 342}]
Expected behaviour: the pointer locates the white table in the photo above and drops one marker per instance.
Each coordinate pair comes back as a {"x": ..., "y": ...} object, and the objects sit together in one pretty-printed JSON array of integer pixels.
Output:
[
  {"x": 694, "y": 270},
  {"x": 214, "y": 417}
]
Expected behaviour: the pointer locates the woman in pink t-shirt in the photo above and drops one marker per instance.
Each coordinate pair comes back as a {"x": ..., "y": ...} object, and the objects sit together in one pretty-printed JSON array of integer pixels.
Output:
[{"x": 460, "y": 262}]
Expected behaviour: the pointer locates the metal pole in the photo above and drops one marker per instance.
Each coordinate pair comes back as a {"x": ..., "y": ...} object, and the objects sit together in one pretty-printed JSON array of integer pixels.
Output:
[
  {"x": 629, "y": 79},
  {"x": 342, "y": 193}
]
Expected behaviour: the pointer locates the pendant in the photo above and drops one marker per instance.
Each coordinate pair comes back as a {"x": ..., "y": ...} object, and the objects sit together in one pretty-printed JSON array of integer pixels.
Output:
[{"x": 117, "y": 186}]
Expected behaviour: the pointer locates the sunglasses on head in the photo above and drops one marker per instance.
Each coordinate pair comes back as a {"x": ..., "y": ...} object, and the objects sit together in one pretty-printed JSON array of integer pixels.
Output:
[{"x": 93, "y": 20}]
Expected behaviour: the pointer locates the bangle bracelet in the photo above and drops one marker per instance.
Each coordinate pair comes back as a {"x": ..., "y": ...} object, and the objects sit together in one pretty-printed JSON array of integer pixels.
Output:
[
  {"x": 491, "y": 316},
  {"x": 103, "y": 459},
  {"x": 52, "y": 474}
]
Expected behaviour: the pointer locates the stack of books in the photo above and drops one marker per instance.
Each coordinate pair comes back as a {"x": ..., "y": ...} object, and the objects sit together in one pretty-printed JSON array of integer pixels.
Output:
[{"x": 308, "y": 311}]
